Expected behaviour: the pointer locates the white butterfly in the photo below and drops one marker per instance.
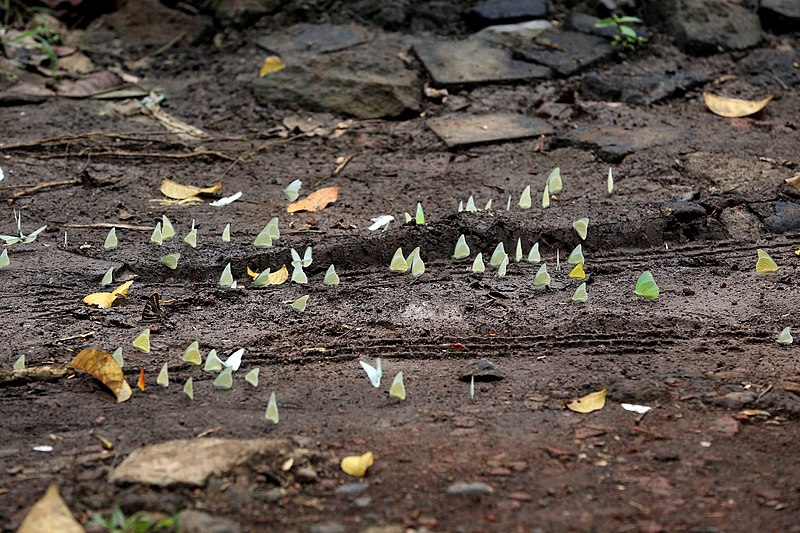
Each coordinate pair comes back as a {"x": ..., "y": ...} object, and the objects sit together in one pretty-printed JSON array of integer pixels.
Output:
[
  {"x": 227, "y": 200},
  {"x": 373, "y": 372},
  {"x": 27, "y": 239},
  {"x": 380, "y": 222},
  {"x": 305, "y": 261},
  {"x": 235, "y": 360}
]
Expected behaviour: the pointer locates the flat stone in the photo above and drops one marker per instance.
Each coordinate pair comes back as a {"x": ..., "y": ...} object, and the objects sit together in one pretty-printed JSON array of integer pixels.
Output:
[
  {"x": 469, "y": 489},
  {"x": 315, "y": 38},
  {"x": 584, "y": 23},
  {"x": 507, "y": 11},
  {"x": 705, "y": 26},
  {"x": 365, "y": 82},
  {"x": 734, "y": 175},
  {"x": 780, "y": 16},
  {"x": 192, "y": 462},
  {"x": 243, "y": 12},
  {"x": 510, "y": 35},
  {"x": 735, "y": 400},
  {"x": 330, "y": 526},
  {"x": 482, "y": 370},
  {"x": 786, "y": 218},
  {"x": 473, "y": 61},
  {"x": 761, "y": 68},
  {"x": 462, "y": 129},
  {"x": 192, "y": 521},
  {"x": 614, "y": 143},
  {"x": 566, "y": 52},
  {"x": 351, "y": 488}
]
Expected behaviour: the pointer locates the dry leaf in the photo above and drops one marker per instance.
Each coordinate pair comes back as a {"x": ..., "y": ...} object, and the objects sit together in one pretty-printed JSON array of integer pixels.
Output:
[
  {"x": 95, "y": 83},
  {"x": 177, "y": 191},
  {"x": 734, "y": 107},
  {"x": 253, "y": 274},
  {"x": 50, "y": 513},
  {"x": 102, "y": 365},
  {"x": 140, "y": 383},
  {"x": 279, "y": 276},
  {"x": 316, "y": 201},
  {"x": 591, "y": 402},
  {"x": 271, "y": 64},
  {"x": 794, "y": 181},
  {"x": 357, "y": 465},
  {"x": 104, "y": 300}
]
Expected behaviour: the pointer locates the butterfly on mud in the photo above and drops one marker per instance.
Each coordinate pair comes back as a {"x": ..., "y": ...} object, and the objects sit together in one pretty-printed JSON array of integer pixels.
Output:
[{"x": 152, "y": 309}]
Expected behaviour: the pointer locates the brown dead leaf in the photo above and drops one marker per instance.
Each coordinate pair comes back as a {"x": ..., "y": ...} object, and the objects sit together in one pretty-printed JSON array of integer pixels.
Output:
[
  {"x": 271, "y": 64},
  {"x": 75, "y": 64},
  {"x": 174, "y": 190},
  {"x": 591, "y": 402},
  {"x": 102, "y": 365},
  {"x": 95, "y": 83},
  {"x": 316, "y": 201},
  {"x": 50, "y": 513},
  {"x": 733, "y": 107},
  {"x": 794, "y": 181}
]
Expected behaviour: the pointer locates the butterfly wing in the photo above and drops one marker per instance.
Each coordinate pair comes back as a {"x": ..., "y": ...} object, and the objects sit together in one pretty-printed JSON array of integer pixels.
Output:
[{"x": 152, "y": 311}]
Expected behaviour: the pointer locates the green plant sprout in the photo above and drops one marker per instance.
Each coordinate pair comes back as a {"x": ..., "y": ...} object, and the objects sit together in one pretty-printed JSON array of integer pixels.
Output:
[
  {"x": 398, "y": 388},
  {"x": 582, "y": 227},
  {"x": 331, "y": 277},
  {"x": 546, "y": 197},
  {"x": 226, "y": 280},
  {"x": 610, "y": 182},
  {"x": 19, "y": 364},
  {"x": 470, "y": 208},
  {"x": 139, "y": 522},
  {"x": 534, "y": 256},
  {"x": 554, "y": 183},
  {"x": 292, "y": 191},
  {"x": 298, "y": 276},
  {"x": 192, "y": 354},
  {"x": 272, "y": 409},
  {"x": 42, "y": 36},
  {"x": 398, "y": 263},
  {"x": 374, "y": 373},
  {"x": 170, "y": 260},
  {"x": 188, "y": 388},
  {"x": 213, "y": 362},
  {"x": 461, "y": 250},
  {"x": 477, "y": 265},
  {"x": 108, "y": 277},
  {"x": 785, "y": 336},
  {"x": 626, "y": 36},
  {"x": 300, "y": 304},
  {"x": 542, "y": 278},
  {"x": 191, "y": 237},
  {"x": 252, "y": 377},
  {"x": 226, "y": 233},
  {"x": 497, "y": 255},
  {"x": 646, "y": 287},
  {"x": 576, "y": 255},
  {"x": 580, "y": 294},
  {"x": 518, "y": 252},
  {"x": 163, "y": 376},
  {"x": 157, "y": 236},
  {"x": 167, "y": 229},
  {"x": 117, "y": 356},
  {"x": 525, "y": 198},
  {"x": 419, "y": 218},
  {"x": 111, "y": 240},
  {"x": 224, "y": 380}
]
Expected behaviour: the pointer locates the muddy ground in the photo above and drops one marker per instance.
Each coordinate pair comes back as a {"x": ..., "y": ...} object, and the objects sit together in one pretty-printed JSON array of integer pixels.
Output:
[{"x": 693, "y": 211}]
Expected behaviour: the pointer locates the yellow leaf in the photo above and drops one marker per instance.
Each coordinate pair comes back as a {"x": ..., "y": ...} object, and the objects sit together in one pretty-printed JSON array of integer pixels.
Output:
[
  {"x": 271, "y": 64},
  {"x": 102, "y": 365},
  {"x": 104, "y": 300},
  {"x": 316, "y": 201},
  {"x": 50, "y": 513},
  {"x": 279, "y": 276},
  {"x": 177, "y": 191},
  {"x": 252, "y": 273},
  {"x": 734, "y": 107},
  {"x": 357, "y": 465},
  {"x": 591, "y": 402}
]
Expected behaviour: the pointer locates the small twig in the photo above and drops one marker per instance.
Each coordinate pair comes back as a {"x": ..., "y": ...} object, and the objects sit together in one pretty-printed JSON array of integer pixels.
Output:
[
  {"x": 167, "y": 155},
  {"x": 41, "y": 186},
  {"x": 341, "y": 166},
  {"x": 763, "y": 392},
  {"x": 80, "y": 336},
  {"x": 167, "y": 46},
  {"x": 108, "y": 225},
  {"x": 34, "y": 373}
]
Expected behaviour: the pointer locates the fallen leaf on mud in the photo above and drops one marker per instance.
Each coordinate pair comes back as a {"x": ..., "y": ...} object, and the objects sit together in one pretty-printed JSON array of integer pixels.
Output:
[
  {"x": 279, "y": 276},
  {"x": 75, "y": 64},
  {"x": 357, "y": 465},
  {"x": 733, "y": 107},
  {"x": 747, "y": 413},
  {"x": 794, "y": 182},
  {"x": 177, "y": 191},
  {"x": 50, "y": 513},
  {"x": 25, "y": 93},
  {"x": 96, "y": 83},
  {"x": 591, "y": 402},
  {"x": 316, "y": 201},
  {"x": 104, "y": 300},
  {"x": 271, "y": 64},
  {"x": 140, "y": 383},
  {"x": 102, "y": 365}
]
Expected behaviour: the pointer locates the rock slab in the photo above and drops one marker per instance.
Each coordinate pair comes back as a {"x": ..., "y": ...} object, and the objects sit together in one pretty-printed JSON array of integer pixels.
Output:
[
  {"x": 614, "y": 143},
  {"x": 507, "y": 11},
  {"x": 315, "y": 38},
  {"x": 192, "y": 462},
  {"x": 566, "y": 52},
  {"x": 462, "y": 129}
]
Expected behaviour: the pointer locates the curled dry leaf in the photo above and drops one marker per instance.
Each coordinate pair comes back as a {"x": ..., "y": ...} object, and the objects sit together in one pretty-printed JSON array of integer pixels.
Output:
[
  {"x": 794, "y": 181},
  {"x": 102, "y": 365},
  {"x": 50, "y": 513},
  {"x": 271, "y": 64},
  {"x": 316, "y": 201},
  {"x": 279, "y": 276},
  {"x": 357, "y": 465},
  {"x": 733, "y": 107},
  {"x": 591, "y": 402},
  {"x": 104, "y": 300},
  {"x": 177, "y": 191}
]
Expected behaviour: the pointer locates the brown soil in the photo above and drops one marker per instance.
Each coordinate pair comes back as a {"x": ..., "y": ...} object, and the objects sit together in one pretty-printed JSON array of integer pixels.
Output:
[{"x": 694, "y": 463}]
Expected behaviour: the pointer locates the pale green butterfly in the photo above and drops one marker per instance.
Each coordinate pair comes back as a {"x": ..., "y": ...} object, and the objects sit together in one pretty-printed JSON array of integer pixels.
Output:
[
  {"x": 157, "y": 236},
  {"x": 471, "y": 205},
  {"x": 497, "y": 255},
  {"x": 576, "y": 256},
  {"x": 374, "y": 373},
  {"x": 163, "y": 376},
  {"x": 272, "y": 409},
  {"x": 546, "y": 197},
  {"x": 542, "y": 278},
  {"x": 785, "y": 336},
  {"x": 581, "y": 226},
  {"x": 399, "y": 263},
  {"x": 111, "y": 240},
  {"x": 170, "y": 260},
  {"x": 331, "y": 277},
  {"x": 252, "y": 377},
  {"x": 646, "y": 287},
  {"x": 461, "y": 250},
  {"x": 226, "y": 280},
  {"x": 108, "y": 277},
  {"x": 188, "y": 388},
  {"x": 224, "y": 380},
  {"x": 525, "y": 198},
  {"x": 419, "y": 219},
  {"x": 300, "y": 304},
  {"x": 212, "y": 362},
  {"x": 292, "y": 191},
  {"x": 167, "y": 229},
  {"x": 398, "y": 388},
  {"x": 554, "y": 183},
  {"x": 192, "y": 354},
  {"x": 580, "y": 294},
  {"x": 477, "y": 265}
]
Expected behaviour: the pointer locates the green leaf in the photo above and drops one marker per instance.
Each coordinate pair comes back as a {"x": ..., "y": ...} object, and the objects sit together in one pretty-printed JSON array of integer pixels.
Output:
[
  {"x": 605, "y": 23},
  {"x": 629, "y": 20},
  {"x": 627, "y": 31}
]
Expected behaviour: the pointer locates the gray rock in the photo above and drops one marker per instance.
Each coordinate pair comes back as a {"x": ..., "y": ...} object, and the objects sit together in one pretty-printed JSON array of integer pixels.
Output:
[
  {"x": 510, "y": 35},
  {"x": 735, "y": 400},
  {"x": 613, "y": 143},
  {"x": 367, "y": 82},
  {"x": 705, "y": 26},
  {"x": 315, "y": 38},
  {"x": 473, "y": 61},
  {"x": 351, "y": 488},
  {"x": 306, "y": 475},
  {"x": 761, "y": 68},
  {"x": 275, "y": 495},
  {"x": 740, "y": 224},
  {"x": 243, "y": 12},
  {"x": 507, "y": 11},
  {"x": 586, "y": 24},
  {"x": 192, "y": 521},
  {"x": 475, "y": 488},
  {"x": 566, "y": 52},
  {"x": 192, "y": 462},
  {"x": 780, "y": 16},
  {"x": 462, "y": 129},
  {"x": 330, "y": 526},
  {"x": 786, "y": 218},
  {"x": 483, "y": 370}
]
